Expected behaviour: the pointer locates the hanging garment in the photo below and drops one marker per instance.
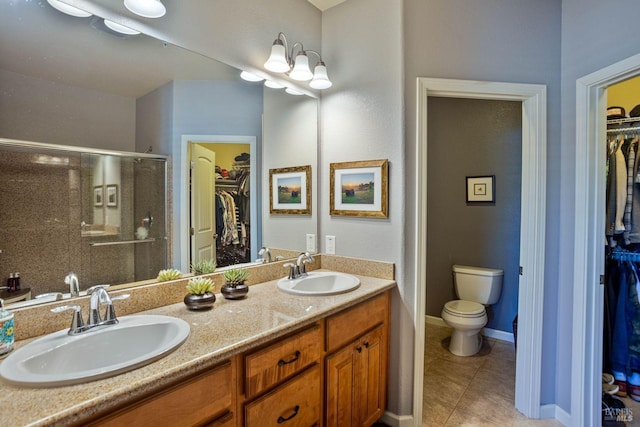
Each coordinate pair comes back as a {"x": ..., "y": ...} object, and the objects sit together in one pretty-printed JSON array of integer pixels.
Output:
[
  {"x": 631, "y": 161},
  {"x": 621, "y": 189}
]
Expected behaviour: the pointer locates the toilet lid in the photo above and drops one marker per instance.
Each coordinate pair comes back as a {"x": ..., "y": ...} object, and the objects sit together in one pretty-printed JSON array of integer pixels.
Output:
[{"x": 465, "y": 308}]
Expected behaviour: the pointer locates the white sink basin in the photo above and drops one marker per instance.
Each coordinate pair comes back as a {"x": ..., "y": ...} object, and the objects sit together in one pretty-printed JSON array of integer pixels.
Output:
[
  {"x": 59, "y": 359},
  {"x": 320, "y": 283}
]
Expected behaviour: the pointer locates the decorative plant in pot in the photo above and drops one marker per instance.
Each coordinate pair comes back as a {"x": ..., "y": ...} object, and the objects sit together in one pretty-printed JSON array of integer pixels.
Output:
[
  {"x": 169, "y": 274},
  {"x": 200, "y": 296},
  {"x": 204, "y": 266},
  {"x": 234, "y": 286}
]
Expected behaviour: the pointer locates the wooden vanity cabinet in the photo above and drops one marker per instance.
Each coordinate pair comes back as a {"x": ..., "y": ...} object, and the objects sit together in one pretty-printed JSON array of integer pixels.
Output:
[
  {"x": 331, "y": 373},
  {"x": 356, "y": 372},
  {"x": 282, "y": 381},
  {"x": 208, "y": 399}
]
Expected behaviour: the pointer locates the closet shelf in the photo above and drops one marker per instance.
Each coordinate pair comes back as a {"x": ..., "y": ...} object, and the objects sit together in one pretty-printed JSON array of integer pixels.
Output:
[
  {"x": 622, "y": 121},
  {"x": 624, "y": 130}
]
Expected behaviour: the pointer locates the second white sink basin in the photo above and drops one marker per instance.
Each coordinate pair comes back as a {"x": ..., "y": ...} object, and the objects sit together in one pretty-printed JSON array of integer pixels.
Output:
[
  {"x": 59, "y": 359},
  {"x": 320, "y": 283}
]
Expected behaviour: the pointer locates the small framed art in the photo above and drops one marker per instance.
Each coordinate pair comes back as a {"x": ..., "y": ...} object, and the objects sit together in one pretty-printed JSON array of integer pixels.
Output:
[
  {"x": 359, "y": 188},
  {"x": 290, "y": 190},
  {"x": 481, "y": 189}
]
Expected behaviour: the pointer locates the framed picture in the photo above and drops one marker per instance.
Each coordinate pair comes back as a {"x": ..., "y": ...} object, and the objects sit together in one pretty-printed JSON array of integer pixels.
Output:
[
  {"x": 112, "y": 195},
  {"x": 98, "y": 196},
  {"x": 481, "y": 189},
  {"x": 290, "y": 190},
  {"x": 359, "y": 188}
]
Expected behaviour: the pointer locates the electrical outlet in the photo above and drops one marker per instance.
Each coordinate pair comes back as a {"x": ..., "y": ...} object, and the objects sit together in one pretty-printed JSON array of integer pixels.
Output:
[
  {"x": 331, "y": 244},
  {"x": 311, "y": 242}
]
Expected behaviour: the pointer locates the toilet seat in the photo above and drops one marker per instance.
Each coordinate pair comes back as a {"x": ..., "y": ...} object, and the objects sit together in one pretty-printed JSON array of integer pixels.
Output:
[{"x": 462, "y": 308}]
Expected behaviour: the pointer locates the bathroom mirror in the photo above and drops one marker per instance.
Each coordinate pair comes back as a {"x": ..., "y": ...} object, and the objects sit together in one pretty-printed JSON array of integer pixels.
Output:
[{"x": 72, "y": 81}]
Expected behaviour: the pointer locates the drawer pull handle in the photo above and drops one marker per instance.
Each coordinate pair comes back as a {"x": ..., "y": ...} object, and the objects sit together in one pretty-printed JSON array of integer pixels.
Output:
[
  {"x": 295, "y": 412},
  {"x": 286, "y": 362},
  {"x": 359, "y": 348}
]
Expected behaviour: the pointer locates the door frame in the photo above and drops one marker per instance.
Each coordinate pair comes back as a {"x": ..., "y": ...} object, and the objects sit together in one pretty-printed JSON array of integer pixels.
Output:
[
  {"x": 532, "y": 228},
  {"x": 589, "y": 218},
  {"x": 182, "y": 173}
]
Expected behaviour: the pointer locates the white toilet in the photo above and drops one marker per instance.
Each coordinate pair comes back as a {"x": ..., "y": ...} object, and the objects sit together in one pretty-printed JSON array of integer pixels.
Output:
[{"x": 476, "y": 287}]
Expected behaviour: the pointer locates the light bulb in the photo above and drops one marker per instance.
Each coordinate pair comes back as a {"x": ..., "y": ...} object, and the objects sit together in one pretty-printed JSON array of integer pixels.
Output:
[
  {"x": 272, "y": 84},
  {"x": 146, "y": 8},
  {"x": 68, "y": 9},
  {"x": 277, "y": 61},
  {"x": 301, "y": 71},
  {"x": 250, "y": 77},
  {"x": 120, "y": 28},
  {"x": 320, "y": 77}
]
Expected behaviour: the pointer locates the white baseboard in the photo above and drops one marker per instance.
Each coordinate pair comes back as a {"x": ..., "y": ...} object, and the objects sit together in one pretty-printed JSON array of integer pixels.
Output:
[
  {"x": 394, "y": 420},
  {"x": 556, "y": 412},
  {"x": 487, "y": 332}
]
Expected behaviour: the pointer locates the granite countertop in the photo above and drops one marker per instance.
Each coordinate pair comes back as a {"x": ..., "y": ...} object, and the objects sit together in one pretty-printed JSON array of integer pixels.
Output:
[{"x": 229, "y": 328}]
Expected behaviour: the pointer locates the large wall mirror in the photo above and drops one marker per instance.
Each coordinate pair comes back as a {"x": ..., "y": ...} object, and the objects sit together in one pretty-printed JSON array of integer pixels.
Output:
[{"x": 72, "y": 81}]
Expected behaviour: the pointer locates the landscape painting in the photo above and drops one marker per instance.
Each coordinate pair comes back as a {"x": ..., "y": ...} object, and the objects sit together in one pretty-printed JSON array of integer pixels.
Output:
[
  {"x": 359, "y": 188},
  {"x": 290, "y": 190}
]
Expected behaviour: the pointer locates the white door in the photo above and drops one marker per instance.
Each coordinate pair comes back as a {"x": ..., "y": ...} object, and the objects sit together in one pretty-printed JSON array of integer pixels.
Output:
[{"x": 203, "y": 220}]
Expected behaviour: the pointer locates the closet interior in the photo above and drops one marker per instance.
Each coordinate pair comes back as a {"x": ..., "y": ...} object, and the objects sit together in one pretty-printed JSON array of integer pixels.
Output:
[{"x": 621, "y": 326}]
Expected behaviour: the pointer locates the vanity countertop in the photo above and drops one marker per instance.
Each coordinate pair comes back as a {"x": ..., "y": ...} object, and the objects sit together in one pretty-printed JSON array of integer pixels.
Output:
[{"x": 229, "y": 328}]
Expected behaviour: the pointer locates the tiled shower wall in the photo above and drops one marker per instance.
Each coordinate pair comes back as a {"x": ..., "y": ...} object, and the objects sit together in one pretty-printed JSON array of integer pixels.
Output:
[{"x": 42, "y": 195}]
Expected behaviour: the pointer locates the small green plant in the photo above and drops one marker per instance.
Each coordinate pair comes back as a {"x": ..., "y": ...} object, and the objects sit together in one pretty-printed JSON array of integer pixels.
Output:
[
  {"x": 199, "y": 286},
  {"x": 169, "y": 274},
  {"x": 204, "y": 266},
  {"x": 235, "y": 276}
]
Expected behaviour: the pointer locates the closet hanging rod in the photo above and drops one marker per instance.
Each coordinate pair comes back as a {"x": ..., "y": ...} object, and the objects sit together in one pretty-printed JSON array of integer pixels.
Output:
[{"x": 623, "y": 130}]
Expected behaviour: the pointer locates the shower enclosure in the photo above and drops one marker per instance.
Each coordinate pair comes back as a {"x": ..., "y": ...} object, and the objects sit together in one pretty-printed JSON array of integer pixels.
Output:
[{"x": 98, "y": 213}]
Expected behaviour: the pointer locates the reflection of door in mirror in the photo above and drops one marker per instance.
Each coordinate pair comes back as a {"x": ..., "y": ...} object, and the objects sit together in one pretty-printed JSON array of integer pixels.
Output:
[
  {"x": 203, "y": 221},
  {"x": 220, "y": 202}
]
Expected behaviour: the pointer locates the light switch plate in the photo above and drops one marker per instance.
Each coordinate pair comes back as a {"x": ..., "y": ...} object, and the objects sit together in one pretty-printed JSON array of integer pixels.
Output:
[
  {"x": 311, "y": 242},
  {"x": 331, "y": 244}
]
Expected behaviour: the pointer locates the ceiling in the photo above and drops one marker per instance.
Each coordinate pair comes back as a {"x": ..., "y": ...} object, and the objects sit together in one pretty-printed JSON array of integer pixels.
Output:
[
  {"x": 325, "y": 4},
  {"x": 38, "y": 41}
]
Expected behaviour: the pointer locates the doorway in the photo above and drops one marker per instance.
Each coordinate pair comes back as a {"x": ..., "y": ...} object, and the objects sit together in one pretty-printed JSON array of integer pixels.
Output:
[
  {"x": 532, "y": 229},
  {"x": 588, "y": 295},
  {"x": 183, "y": 171}
]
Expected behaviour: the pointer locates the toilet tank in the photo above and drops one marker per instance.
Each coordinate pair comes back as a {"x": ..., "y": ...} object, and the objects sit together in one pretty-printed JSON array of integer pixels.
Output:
[{"x": 478, "y": 284}]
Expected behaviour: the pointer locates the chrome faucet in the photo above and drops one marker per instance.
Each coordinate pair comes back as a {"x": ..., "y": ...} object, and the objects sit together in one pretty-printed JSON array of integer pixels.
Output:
[
  {"x": 98, "y": 297},
  {"x": 301, "y": 263},
  {"x": 74, "y": 286},
  {"x": 264, "y": 255},
  {"x": 299, "y": 269}
]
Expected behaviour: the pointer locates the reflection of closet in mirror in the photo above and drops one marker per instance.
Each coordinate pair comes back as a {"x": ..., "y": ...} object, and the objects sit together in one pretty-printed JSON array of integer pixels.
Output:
[
  {"x": 63, "y": 210},
  {"x": 222, "y": 210}
]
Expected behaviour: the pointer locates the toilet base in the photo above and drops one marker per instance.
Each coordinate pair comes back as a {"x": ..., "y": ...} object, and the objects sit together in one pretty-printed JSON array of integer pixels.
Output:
[{"x": 465, "y": 343}]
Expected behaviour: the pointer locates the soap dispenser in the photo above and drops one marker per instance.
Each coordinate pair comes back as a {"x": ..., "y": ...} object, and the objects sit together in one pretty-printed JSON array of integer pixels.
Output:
[{"x": 6, "y": 330}]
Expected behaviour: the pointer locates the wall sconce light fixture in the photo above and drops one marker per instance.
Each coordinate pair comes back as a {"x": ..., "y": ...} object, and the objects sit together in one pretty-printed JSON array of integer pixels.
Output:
[{"x": 282, "y": 60}]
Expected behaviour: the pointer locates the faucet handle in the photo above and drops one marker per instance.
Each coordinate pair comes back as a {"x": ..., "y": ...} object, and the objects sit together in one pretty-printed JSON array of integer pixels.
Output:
[
  {"x": 95, "y": 288},
  {"x": 76, "y": 321},
  {"x": 292, "y": 269},
  {"x": 110, "y": 313}
]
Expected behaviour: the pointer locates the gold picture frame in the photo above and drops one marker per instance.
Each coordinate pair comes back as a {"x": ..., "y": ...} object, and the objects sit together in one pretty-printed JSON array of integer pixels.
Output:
[
  {"x": 359, "y": 188},
  {"x": 290, "y": 190}
]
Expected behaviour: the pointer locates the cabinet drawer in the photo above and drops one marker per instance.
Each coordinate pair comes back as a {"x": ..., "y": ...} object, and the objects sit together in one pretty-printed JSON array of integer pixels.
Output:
[
  {"x": 347, "y": 325},
  {"x": 295, "y": 403},
  {"x": 194, "y": 402},
  {"x": 270, "y": 365}
]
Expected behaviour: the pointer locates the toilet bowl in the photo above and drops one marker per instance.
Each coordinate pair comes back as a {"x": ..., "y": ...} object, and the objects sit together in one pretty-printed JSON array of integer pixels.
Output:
[
  {"x": 467, "y": 318},
  {"x": 476, "y": 287}
]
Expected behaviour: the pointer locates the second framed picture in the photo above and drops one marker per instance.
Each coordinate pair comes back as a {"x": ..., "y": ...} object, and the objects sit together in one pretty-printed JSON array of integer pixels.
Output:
[
  {"x": 290, "y": 190},
  {"x": 359, "y": 188}
]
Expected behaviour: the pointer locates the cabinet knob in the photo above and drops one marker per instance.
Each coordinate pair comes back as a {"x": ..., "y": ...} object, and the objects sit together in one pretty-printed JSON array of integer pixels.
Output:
[
  {"x": 366, "y": 344},
  {"x": 295, "y": 412},
  {"x": 359, "y": 348}
]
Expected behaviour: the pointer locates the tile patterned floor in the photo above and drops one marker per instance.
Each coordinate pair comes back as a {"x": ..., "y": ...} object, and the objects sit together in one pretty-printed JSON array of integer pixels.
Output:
[{"x": 470, "y": 391}]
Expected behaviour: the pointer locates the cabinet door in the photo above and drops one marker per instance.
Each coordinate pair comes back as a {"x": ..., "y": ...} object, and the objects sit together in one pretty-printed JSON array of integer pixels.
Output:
[
  {"x": 340, "y": 379},
  {"x": 371, "y": 368}
]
